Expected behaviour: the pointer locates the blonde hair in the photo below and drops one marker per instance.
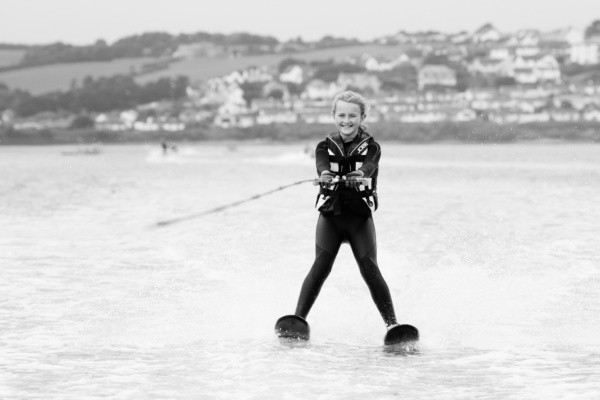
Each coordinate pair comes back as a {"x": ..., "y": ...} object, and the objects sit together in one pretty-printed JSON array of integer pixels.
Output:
[{"x": 352, "y": 97}]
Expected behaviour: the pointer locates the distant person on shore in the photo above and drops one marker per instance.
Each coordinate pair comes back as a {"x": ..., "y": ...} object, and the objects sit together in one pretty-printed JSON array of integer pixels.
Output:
[
  {"x": 346, "y": 205},
  {"x": 166, "y": 147}
]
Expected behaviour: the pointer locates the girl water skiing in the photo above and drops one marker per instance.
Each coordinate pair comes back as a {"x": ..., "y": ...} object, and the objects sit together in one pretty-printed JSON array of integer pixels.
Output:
[{"x": 346, "y": 205}]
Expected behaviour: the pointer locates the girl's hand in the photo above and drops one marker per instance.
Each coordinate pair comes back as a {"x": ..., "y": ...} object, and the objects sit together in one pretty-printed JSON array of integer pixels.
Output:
[
  {"x": 327, "y": 176},
  {"x": 351, "y": 179}
]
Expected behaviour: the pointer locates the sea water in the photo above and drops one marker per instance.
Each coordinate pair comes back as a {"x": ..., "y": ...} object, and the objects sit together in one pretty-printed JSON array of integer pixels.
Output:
[{"x": 491, "y": 251}]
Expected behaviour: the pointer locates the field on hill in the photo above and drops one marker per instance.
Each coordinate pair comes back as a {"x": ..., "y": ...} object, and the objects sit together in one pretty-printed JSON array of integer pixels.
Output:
[
  {"x": 60, "y": 76},
  {"x": 10, "y": 57},
  {"x": 50, "y": 78},
  {"x": 211, "y": 67}
]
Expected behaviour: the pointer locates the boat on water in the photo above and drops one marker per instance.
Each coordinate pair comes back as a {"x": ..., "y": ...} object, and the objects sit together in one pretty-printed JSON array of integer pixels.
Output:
[{"x": 82, "y": 151}]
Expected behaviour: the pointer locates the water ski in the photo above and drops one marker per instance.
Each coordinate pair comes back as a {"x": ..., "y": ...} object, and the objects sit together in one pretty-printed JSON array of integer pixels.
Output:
[
  {"x": 292, "y": 327},
  {"x": 401, "y": 334}
]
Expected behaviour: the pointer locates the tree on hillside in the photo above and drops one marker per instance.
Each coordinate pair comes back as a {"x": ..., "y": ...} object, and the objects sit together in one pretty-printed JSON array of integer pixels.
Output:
[
  {"x": 82, "y": 122},
  {"x": 401, "y": 77},
  {"x": 593, "y": 30},
  {"x": 252, "y": 90},
  {"x": 146, "y": 44},
  {"x": 295, "y": 89},
  {"x": 286, "y": 62},
  {"x": 437, "y": 59},
  {"x": 5, "y": 97},
  {"x": 250, "y": 39},
  {"x": 330, "y": 41},
  {"x": 95, "y": 95},
  {"x": 330, "y": 71}
]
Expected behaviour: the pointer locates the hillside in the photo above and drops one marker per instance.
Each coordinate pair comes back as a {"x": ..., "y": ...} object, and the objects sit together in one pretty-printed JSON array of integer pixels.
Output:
[
  {"x": 49, "y": 78},
  {"x": 9, "y": 57}
]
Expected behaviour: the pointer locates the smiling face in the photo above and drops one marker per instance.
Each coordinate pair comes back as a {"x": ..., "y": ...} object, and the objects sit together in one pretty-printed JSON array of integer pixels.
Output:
[{"x": 347, "y": 118}]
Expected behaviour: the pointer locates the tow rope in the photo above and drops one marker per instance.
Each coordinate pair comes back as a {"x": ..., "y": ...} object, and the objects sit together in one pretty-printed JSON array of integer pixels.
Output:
[
  {"x": 226, "y": 206},
  {"x": 365, "y": 181}
]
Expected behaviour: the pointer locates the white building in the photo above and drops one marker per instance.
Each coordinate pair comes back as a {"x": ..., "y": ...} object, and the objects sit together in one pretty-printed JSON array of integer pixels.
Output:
[
  {"x": 487, "y": 33},
  {"x": 293, "y": 74},
  {"x": 585, "y": 53},
  {"x": 536, "y": 69},
  {"x": 436, "y": 75},
  {"x": 318, "y": 89}
]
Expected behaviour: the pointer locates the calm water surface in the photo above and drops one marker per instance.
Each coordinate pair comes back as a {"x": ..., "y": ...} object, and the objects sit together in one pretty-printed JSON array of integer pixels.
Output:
[{"x": 492, "y": 251}]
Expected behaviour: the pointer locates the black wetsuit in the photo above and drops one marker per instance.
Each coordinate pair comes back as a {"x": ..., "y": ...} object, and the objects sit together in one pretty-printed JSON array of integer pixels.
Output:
[{"x": 346, "y": 218}]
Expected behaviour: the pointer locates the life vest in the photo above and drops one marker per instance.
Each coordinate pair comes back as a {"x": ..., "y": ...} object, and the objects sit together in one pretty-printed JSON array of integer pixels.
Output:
[{"x": 341, "y": 165}]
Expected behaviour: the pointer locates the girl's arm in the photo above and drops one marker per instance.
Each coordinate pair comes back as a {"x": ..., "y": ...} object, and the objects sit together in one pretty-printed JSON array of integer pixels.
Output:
[
  {"x": 322, "y": 157},
  {"x": 371, "y": 162}
]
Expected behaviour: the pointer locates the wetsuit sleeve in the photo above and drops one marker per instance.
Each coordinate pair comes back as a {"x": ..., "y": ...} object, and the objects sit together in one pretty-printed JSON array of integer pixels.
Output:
[
  {"x": 322, "y": 157},
  {"x": 371, "y": 163}
]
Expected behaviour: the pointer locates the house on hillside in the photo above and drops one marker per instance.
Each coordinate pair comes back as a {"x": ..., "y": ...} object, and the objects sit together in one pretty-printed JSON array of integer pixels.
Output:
[
  {"x": 591, "y": 113},
  {"x": 276, "y": 115},
  {"x": 517, "y": 117},
  {"x": 412, "y": 117},
  {"x": 496, "y": 102},
  {"x": 499, "y": 52},
  {"x": 256, "y": 74},
  {"x": 578, "y": 101},
  {"x": 436, "y": 75},
  {"x": 233, "y": 78},
  {"x": 364, "y": 82},
  {"x": 110, "y": 122},
  {"x": 586, "y": 83},
  {"x": 460, "y": 37},
  {"x": 558, "y": 43},
  {"x": 271, "y": 103},
  {"x": 568, "y": 35},
  {"x": 524, "y": 38},
  {"x": 193, "y": 116},
  {"x": 562, "y": 114},
  {"x": 401, "y": 37},
  {"x": 487, "y": 33},
  {"x": 319, "y": 89},
  {"x": 293, "y": 74},
  {"x": 233, "y": 103},
  {"x": 44, "y": 120},
  {"x": 532, "y": 92},
  {"x": 240, "y": 120},
  {"x": 476, "y": 93},
  {"x": 373, "y": 64},
  {"x": 504, "y": 52},
  {"x": 488, "y": 66},
  {"x": 150, "y": 124},
  {"x": 456, "y": 54},
  {"x": 534, "y": 70},
  {"x": 586, "y": 52},
  {"x": 462, "y": 114},
  {"x": 316, "y": 114}
]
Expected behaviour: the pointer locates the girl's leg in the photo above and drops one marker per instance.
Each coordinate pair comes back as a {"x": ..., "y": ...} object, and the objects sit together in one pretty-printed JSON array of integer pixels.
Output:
[
  {"x": 328, "y": 241},
  {"x": 364, "y": 246}
]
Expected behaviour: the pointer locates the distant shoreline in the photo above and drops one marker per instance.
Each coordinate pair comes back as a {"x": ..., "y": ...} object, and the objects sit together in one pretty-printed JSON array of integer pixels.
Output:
[{"x": 445, "y": 132}]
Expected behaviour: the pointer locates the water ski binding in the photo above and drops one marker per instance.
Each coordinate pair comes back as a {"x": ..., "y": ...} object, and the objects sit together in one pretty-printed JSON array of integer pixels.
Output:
[
  {"x": 292, "y": 327},
  {"x": 401, "y": 334}
]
